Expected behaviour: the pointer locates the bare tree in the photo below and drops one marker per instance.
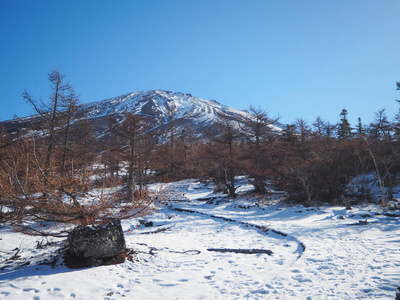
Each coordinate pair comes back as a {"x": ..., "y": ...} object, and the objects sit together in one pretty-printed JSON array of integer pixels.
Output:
[
  {"x": 224, "y": 151},
  {"x": 132, "y": 134},
  {"x": 50, "y": 112},
  {"x": 260, "y": 135}
]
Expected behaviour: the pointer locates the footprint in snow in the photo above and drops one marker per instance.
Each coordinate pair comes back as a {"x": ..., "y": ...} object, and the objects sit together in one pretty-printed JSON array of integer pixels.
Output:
[
  {"x": 301, "y": 279},
  {"x": 27, "y": 290}
]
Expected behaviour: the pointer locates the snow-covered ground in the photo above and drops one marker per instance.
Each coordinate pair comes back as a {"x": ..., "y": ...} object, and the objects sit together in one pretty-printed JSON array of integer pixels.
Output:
[{"x": 317, "y": 253}]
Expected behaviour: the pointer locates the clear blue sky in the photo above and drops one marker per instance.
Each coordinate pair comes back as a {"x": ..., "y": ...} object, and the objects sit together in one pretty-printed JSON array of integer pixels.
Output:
[{"x": 298, "y": 59}]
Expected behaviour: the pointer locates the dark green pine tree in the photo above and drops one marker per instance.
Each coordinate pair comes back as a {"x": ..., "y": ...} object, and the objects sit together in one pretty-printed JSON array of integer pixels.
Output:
[
  {"x": 360, "y": 128},
  {"x": 396, "y": 122},
  {"x": 344, "y": 128}
]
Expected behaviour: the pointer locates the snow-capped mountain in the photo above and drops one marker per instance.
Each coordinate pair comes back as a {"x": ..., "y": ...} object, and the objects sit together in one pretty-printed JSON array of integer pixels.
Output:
[{"x": 157, "y": 106}]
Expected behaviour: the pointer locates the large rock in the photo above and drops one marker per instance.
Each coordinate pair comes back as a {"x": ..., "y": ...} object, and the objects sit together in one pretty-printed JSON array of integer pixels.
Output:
[
  {"x": 97, "y": 242},
  {"x": 394, "y": 204}
]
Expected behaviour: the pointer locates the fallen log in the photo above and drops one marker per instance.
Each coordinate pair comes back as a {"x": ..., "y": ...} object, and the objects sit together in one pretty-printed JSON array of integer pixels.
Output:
[{"x": 243, "y": 251}]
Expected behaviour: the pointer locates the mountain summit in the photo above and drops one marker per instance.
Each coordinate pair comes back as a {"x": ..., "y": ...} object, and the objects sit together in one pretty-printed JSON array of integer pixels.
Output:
[{"x": 160, "y": 105}]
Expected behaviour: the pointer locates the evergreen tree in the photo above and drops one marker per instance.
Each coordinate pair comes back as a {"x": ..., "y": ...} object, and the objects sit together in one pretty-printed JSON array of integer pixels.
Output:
[
  {"x": 360, "y": 128},
  {"x": 344, "y": 128},
  {"x": 396, "y": 124}
]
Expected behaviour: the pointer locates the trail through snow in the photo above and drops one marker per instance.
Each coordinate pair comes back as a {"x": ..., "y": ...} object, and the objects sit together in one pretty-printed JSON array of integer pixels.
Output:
[{"x": 343, "y": 258}]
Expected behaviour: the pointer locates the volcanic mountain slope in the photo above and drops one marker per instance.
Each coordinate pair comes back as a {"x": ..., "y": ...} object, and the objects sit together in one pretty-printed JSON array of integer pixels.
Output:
[{"x": 157, "y": 107}]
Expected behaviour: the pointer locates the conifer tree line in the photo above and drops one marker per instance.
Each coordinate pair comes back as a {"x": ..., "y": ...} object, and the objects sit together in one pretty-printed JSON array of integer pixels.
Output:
[{"x": 48, "y": 169}]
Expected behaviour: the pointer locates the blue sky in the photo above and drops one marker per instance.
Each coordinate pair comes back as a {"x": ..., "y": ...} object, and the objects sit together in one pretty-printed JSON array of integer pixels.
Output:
[{"x": 294, "y": 58}]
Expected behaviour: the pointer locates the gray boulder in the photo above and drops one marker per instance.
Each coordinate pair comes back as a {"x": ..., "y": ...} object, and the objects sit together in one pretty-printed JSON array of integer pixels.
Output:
[
  {"x": 394, "y": 204},
  {"x": 94, "y": 243}
]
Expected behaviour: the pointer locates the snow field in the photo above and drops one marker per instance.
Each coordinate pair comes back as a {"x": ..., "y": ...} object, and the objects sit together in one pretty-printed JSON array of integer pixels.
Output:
[{"x": 343, "y": 259}]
